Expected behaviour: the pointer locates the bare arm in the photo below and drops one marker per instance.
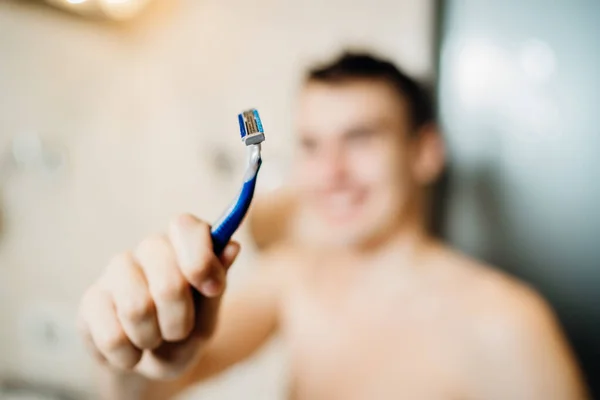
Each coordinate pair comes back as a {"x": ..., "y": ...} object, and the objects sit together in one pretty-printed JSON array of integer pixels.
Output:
[
  {"x": 271, "y": 219},
  {"x": 248, "y": 318},
  {"x": 530, "y": 359}
]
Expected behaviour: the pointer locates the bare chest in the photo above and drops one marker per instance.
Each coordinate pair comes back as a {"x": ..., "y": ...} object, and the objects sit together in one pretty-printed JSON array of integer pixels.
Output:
[{"x": 359, "y": 340}]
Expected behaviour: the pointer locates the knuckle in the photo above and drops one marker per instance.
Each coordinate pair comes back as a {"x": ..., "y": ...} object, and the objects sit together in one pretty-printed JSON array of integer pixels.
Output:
[
  {"x": 122, "y": 258},
  {"x": 85, "y": 300},
  {"x": 187, "y": 224},
  {"x": 171, "y": 289},
  {"x": 112, "y": 341},
  {"x": 206, "y": 258},
  {"x": 82, "y": 328},
  {"x": 152, "y": 244},
  {"x": 126, "y": 359},
  {"x": 178, "y": 325},
  {"x": 136, "y": 308},
  {"x": 129, "y": 363},
  {"x": 174, "y": 330},
  {"x": 118, "y": 263},
  {"x": 185, "y": 221},
  {"x": 205, "y": 235},
  {"x": 198, "y": 273},
  {"x": 86, "y": 304},
  {"x": 150, "y": 341}
]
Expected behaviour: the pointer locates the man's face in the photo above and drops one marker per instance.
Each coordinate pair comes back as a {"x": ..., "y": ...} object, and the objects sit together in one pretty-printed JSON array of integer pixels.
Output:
[{"x": 353, "y": 166}]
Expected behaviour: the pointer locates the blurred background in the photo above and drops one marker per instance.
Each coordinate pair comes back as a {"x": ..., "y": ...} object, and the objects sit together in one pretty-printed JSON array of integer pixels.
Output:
[{"x": 117, "y": 114}]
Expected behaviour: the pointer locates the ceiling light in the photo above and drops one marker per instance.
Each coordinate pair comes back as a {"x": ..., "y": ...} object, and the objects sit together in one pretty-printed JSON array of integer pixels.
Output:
[{"x": 112, "y": 9}]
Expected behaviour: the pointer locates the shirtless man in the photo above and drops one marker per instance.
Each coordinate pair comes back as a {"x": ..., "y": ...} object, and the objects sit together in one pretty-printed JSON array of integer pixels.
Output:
[{"x": 374, "y": 309}]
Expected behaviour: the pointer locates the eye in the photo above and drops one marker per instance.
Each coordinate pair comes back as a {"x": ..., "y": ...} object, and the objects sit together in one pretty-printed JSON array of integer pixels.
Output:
[
  {"x": 308, "y": 145},
  {"x": 360, "y": 136}
]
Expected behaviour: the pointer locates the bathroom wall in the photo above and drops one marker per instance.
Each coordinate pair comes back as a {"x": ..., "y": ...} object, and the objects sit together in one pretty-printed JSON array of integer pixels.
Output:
[{"x": 107, "y": 130}]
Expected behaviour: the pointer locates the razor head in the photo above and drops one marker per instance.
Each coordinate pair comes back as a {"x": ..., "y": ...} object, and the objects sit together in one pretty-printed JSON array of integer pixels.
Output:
[{"x": 251, "y": 128}]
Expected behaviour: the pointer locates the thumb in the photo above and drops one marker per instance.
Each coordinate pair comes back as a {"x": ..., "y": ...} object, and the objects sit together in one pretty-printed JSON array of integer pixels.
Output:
[{"x": 229, "y": 254}]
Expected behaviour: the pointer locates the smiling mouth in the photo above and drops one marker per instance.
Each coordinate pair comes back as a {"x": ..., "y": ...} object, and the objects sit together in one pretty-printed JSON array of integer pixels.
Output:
[{"x": 341, "y": 206}]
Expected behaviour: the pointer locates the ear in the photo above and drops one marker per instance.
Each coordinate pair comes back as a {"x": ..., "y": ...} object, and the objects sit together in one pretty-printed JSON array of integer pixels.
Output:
[{"x": 430, "y": 155}]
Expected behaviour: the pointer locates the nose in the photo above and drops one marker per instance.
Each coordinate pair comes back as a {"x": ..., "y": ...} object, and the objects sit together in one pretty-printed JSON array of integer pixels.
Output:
[{"x": 333, "y": 165}]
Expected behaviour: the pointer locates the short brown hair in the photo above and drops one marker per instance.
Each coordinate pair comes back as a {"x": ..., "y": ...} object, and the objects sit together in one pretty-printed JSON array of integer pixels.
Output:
[{"x": 351, "y": 65}]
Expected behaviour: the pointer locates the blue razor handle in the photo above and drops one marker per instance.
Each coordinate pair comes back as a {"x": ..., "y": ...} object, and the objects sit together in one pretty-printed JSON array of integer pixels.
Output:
[
  {"x": 251, "y": 130},
  {"x": 223, "y": 230}
]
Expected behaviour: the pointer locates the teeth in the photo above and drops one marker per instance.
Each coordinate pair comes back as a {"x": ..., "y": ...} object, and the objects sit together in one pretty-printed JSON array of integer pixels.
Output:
[{"x": 340, "y": 200}]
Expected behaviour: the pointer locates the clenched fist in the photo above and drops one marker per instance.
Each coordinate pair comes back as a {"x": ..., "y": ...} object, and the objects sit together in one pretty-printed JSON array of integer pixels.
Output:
[{"x": 154, "y": 308}]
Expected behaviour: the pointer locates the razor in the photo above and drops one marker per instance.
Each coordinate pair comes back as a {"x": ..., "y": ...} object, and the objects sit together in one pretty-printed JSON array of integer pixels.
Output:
[{"x": 253, "y": 135}]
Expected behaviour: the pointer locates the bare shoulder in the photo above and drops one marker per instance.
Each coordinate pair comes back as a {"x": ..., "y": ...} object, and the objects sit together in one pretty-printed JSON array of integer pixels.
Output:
[
  {"x": 502, "y": 310},
  {"x": 492, "y": 293},
  {"x": 514, "y": 330}
]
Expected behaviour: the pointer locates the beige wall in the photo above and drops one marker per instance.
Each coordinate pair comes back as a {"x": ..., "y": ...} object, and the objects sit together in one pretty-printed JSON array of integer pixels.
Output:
[{"x": 140, "y": 111}]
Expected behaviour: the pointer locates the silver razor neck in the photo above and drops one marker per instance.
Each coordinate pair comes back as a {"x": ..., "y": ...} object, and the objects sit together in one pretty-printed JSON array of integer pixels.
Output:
[{"x": 254, "y": 159}]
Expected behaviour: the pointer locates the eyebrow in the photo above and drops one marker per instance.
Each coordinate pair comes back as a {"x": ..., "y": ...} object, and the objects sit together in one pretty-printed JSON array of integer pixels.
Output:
[
  {"x": 362, "y": 129},
  {"x": 370, "y": 127}
]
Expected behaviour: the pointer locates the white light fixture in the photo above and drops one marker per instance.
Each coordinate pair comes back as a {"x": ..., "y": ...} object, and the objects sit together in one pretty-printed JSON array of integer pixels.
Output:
[
  {"x": 112, "y": 9},
  {"x": 122, "y": 9}
]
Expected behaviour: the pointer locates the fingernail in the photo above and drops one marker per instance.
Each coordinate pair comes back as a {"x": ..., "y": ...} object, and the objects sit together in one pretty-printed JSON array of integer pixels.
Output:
[
  {"x": 233, "y": 252},
  {"x": 211, "y": 288}
]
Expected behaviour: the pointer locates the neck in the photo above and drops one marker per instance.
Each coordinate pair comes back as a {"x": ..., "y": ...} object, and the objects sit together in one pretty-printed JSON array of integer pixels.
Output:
[
  {"x": 405, "y": 238},
  {"x": 406, "y": 234}
]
